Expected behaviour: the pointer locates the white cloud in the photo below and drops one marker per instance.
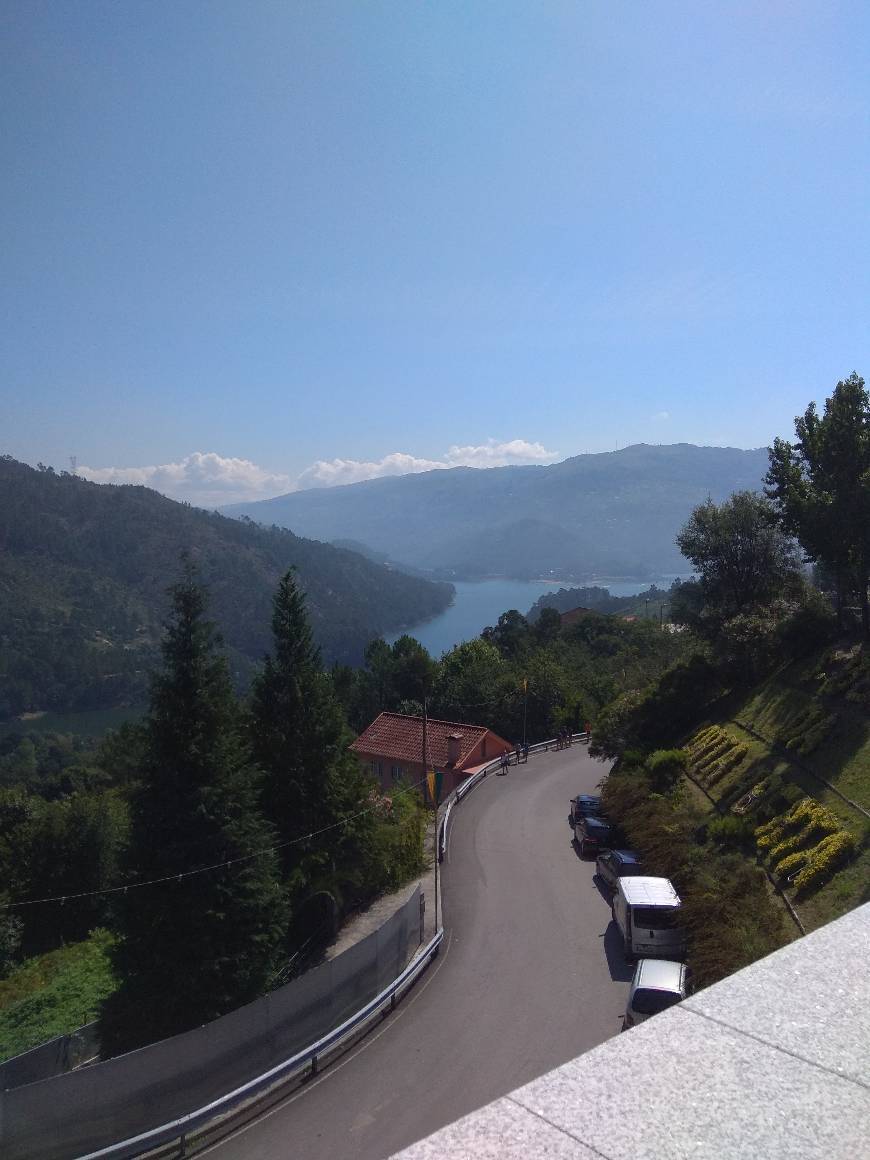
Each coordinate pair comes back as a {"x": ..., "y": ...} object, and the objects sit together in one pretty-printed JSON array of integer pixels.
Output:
[
  {"x": 661, "y": 416},
  {"x": 205, "y": 479},
  {"x": 208, "y": 480},
  {"x": 332, "y": 472}
]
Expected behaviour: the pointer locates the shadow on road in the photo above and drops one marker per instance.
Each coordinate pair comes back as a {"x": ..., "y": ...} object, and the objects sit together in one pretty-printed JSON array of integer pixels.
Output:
[
  {"x": 603, "y": 889},
  {"x": 620, "y": 970}
]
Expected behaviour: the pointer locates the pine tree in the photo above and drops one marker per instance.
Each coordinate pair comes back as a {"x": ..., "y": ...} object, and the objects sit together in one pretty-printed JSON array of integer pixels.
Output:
[
  {"x": 312, "y": 782},
  {"x": 198, "y": 947}
]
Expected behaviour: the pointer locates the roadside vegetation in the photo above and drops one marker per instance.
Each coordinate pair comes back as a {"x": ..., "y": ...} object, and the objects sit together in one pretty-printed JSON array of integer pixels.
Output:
[
  {"x": 220, "y": 835},
  {"x": 769, "y": 704},
  {"x": 55, "y": 993}
]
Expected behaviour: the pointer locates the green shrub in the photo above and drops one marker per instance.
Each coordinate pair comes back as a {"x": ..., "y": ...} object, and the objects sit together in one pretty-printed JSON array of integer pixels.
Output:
[
  {"x": 665, "y": 767},
  {"x": 730, "y": 832}
]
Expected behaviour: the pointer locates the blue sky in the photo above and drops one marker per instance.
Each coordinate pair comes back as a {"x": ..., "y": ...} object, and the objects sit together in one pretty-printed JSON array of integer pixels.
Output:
[{"x": 248, "y": 243}]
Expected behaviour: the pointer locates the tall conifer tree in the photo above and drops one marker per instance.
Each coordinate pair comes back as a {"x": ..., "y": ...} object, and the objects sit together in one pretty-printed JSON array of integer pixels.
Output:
[
  {"x": 312, "y": 782},
  {"x": 198, "y": 947}
]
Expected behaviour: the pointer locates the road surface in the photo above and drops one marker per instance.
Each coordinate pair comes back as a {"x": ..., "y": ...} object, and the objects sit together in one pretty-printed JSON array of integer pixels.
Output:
[{"x": 531, "y": 975}]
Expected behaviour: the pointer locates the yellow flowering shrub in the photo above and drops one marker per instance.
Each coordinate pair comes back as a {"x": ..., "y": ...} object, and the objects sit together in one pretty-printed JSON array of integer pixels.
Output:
[{"x": 830, "y": 854}]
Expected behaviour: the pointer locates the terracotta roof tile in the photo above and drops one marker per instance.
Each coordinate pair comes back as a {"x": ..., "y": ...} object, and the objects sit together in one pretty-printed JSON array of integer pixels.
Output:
[{"x": 398, "y": 736}]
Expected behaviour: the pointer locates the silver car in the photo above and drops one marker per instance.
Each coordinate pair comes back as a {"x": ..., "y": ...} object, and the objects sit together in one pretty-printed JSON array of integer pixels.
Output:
[{"x": 657, "y": 985}]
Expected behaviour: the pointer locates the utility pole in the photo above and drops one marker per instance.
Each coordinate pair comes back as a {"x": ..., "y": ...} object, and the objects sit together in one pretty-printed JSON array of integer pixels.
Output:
[
  {"x": 525, "y": 706},
  {"x": 434, "y": 801}
]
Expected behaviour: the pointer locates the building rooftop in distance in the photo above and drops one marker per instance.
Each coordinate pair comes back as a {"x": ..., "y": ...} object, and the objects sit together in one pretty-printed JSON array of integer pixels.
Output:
[
  {"x": 772, "y": 1062},
  {"x": 399, "y": 737}
]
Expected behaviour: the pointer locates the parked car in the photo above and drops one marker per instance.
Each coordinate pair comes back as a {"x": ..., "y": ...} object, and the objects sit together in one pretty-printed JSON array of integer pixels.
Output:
[
  {"x": 647, "y": 912},
  {"x": 615, "y": 864},
  {"x": 657, "y": 985},
  {"x": 584, "y": 805},
  {"x": 592, "y": 834}
]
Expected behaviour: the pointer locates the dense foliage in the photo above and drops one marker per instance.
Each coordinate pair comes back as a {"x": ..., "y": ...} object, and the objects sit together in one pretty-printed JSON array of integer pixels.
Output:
[
  {"x": 83, "y": 575},
  {"x": 730, "y": 917},
  {"x": 821, "y": 487},
  {"x": 519, "y": 679},
  {"x": 267, "y": 785},
  {"x": 218, "y": 932}
]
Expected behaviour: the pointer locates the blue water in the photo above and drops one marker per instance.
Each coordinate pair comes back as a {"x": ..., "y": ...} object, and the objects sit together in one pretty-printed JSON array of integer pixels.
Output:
[{"x": 480, "y": 603}]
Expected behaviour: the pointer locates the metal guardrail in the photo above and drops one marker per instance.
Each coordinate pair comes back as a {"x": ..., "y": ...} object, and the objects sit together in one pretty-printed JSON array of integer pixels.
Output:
[
  {"x": 184, "y": 1126},
  {"x": 467, "y": 786}
]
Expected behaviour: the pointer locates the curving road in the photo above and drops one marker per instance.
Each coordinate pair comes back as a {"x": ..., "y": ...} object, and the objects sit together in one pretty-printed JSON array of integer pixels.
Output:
[{"x": 530, "y": 976}]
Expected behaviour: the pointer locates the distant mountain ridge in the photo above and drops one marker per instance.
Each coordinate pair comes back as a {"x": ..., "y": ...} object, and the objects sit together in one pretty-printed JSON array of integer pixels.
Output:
[
  {"x": 84, "y": 570},
  {"x": 613, "y": 513}
]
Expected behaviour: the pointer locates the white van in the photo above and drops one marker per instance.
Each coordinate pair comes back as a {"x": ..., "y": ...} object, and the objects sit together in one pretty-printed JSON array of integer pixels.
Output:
[
  {"x": 647, "y": 912},
  {"x": 657, "y": 985}
]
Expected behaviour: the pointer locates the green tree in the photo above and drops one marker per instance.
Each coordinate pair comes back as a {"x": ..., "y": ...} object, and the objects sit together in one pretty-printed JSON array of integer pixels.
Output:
[
  {"x": 820, "y": 486},
  {"x": 741, "y": 554},
  {"x": 468, "y": 686},
  {"x": 194, "y": 948},
  {"x": 312, "y": 782},
  {"x": 509, "y": 635}
]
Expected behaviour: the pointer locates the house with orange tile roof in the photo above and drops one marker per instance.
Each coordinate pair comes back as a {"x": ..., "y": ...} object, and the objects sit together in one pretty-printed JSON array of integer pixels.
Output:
[{"x": 391, "y": 748}]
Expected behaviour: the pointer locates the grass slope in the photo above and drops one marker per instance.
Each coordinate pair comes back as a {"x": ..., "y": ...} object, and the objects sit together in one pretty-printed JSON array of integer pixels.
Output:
[
  {"x": 53, "y": 994},
  {"x": 804, "y": 733}
]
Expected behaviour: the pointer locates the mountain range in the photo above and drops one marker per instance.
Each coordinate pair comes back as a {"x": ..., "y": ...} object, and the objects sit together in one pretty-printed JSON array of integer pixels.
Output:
[
  {"x": 84, "y": 573},
  {"x": 609, "y": 514}
]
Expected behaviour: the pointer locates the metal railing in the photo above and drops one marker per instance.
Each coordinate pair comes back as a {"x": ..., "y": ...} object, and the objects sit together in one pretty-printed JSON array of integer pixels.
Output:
[{"x": 184, "y": 1126}]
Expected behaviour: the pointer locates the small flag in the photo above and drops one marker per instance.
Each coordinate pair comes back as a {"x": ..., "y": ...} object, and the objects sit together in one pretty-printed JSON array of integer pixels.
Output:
[
  {"x": 430, "y": 782},
  {"x": 433, "y": 783}
]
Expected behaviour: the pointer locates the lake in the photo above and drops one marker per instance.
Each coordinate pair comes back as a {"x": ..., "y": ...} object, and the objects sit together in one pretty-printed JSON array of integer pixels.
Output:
[{"x": 480, "y": 603}]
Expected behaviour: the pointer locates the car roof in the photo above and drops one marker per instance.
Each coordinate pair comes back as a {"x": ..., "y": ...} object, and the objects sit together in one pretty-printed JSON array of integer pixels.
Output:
[
  {"x": 627, "y": 857},
  {"x": 643, "y": 890},
  {"x": 587, "y": 797},
  {"x": 660, "y": 974},
  {"x": 595, "y": 824}
]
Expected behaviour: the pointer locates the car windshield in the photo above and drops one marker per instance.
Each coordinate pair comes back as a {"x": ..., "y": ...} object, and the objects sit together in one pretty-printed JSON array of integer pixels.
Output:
[
  {"x": 648, "y": 1001},
  {"x": 655, "y": 917}
]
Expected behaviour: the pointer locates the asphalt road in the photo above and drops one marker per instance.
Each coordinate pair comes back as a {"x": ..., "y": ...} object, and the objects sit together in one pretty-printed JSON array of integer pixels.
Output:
[{"x": 531, "y": 975}]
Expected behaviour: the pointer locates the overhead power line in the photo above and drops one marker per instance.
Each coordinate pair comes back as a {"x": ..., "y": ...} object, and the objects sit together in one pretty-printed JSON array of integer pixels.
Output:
[{"x": 62, "y": 898}]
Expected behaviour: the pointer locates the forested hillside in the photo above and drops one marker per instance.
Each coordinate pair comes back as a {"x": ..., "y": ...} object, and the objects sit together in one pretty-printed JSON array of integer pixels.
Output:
[
  {"x": 615, "y": 513},
  {"x": 84, "y": 571}
]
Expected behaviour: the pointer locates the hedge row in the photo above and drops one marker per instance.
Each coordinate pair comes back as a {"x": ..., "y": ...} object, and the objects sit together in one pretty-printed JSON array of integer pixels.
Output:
[
  {"x": 806, "y": 844},
  {"x": 714, "y": 753}
]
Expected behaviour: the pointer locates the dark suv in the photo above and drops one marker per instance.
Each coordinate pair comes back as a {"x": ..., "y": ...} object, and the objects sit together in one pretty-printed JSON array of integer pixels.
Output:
[
  {"x": 584, "y": 805},
  {"x": 615, "y": 864},
  {"x": 592, "y": 835}
]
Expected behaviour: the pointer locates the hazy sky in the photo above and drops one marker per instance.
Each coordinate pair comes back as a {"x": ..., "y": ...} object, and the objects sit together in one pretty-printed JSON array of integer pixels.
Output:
[{"x": 249, "y": 242}]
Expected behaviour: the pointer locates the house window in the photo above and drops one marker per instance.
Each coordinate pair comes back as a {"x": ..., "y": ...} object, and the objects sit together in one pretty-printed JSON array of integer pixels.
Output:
[{"x": 397, "y": 772}]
